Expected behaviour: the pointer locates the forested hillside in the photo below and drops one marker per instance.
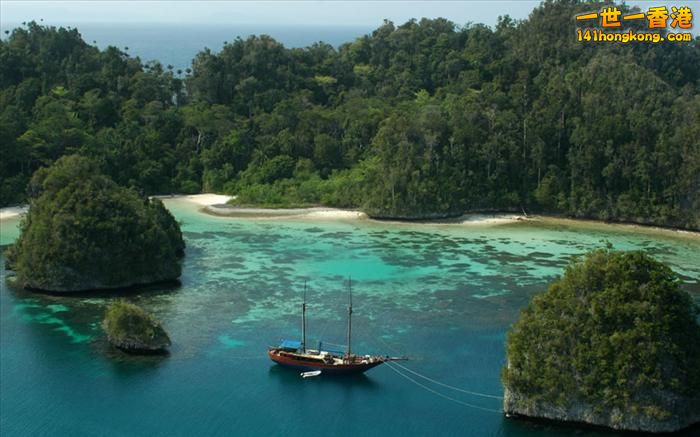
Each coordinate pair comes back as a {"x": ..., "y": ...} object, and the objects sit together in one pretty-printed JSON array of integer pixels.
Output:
[{"x": 422, "y": 119}]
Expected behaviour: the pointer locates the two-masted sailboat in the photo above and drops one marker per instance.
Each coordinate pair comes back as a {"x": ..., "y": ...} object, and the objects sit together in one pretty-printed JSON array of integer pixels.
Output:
[{"x": 295, "y": 354}]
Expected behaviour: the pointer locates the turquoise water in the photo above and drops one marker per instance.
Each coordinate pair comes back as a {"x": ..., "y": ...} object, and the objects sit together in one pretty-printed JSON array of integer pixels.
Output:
[{"x": 442, "y": 294}]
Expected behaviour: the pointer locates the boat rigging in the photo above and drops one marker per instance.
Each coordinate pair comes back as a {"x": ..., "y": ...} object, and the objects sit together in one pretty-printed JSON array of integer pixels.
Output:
[{"x": 296, "y": 355}]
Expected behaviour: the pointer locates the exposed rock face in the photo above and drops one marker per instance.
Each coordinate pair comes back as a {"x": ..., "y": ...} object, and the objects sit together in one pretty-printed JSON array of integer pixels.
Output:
[
  {"x": 687, "y": 413},
  {"x": 130, "y": 328},
  {"x": 83, "y": 283}
]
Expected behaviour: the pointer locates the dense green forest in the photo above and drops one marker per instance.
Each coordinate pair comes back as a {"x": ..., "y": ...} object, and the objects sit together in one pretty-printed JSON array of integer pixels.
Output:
[
  {"x": 422, "y": 119},
  {"x": 85, "y": 232},
  {"x": 615, "y": 334}
]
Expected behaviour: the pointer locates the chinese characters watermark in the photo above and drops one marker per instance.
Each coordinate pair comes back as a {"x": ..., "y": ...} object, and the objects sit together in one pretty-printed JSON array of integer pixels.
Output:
[{"x": 658, "y": 18}]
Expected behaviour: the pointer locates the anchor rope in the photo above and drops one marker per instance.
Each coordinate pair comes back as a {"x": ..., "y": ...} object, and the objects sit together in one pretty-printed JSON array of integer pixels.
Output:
[
  {"x": 323, "y": 324},
  {"x": 490, "y": 410},
  {"x": 324, "y": 328},
  {"x": 434, "y": 381},
  {"x": 483, "y": 395},
  {"x": 334, "y": 344},
  {"x": 393, "y": 363}
]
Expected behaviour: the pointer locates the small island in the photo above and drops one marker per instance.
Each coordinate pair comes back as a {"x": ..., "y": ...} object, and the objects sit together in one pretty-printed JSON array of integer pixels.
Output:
[
  {"x": 613, "y": 343},
  {"x": 133, "y": 330},
  {"x": 85, "y": 232}
]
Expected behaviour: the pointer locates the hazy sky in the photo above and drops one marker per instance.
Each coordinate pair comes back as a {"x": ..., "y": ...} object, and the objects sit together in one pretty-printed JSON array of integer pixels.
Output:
[
  {"x": 328, "y": 12},
  {"x": 357, "y": 12}
]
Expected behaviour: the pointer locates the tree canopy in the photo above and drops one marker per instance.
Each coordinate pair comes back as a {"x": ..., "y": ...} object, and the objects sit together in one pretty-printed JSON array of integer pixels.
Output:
[
  {"x": 85, "y": 232},
  {"x": 615, "y": 333},
  {"x": 421, "y": 119},
  {"x": 132, "y": 329}
]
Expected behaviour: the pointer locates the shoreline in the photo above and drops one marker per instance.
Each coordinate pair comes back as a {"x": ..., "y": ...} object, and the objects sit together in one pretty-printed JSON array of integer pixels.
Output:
[
  {"x": 466, "y": 219},
  {"x": 224, "y": 210},
  {"x": 568, "y": 221},
  {"x": 215, "y": 205},
  {"x": 13, "y": 211},
  {"x": 321, "y": 212},
  {"x": 203, "y": 199}
]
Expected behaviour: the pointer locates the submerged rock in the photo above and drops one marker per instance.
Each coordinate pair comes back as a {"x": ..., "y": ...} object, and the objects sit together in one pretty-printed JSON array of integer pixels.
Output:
[
  {"x": 132, "y": 329},
  {"x": 614, "y": 343}
]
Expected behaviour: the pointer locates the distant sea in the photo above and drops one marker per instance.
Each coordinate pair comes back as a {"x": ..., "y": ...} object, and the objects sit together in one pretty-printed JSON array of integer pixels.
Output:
[{"x": 177, "y": 44}]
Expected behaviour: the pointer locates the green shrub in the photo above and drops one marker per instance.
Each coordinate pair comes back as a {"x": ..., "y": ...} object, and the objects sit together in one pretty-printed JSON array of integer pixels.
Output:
[
  {"x": 83, "y": 232},
  {"x": 130, "y": 327},
  {"x": 615, "y": 331}
]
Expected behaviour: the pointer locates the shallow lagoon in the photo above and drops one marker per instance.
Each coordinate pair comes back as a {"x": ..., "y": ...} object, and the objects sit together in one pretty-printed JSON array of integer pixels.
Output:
[{"x": 442, "y": 294}]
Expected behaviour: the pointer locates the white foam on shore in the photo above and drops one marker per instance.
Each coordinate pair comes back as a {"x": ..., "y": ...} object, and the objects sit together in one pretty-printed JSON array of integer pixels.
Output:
[{"x": 13, "y": 211}]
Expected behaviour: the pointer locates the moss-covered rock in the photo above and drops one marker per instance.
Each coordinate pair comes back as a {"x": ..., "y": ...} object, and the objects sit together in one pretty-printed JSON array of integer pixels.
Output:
[
  {"x": 85, "y": 232},
  {"x": 132, "y": 329},
  {"x": 615, "y": 343}
]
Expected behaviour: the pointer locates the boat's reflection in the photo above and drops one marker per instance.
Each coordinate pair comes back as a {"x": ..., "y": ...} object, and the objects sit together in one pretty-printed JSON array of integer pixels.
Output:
[{"x": 292, "y": 376}]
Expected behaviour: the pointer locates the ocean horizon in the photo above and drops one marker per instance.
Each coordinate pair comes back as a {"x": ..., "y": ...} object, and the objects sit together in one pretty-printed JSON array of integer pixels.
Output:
[
  {"x": 177, "y": 44},
  {"x": 574, "y": 287}
]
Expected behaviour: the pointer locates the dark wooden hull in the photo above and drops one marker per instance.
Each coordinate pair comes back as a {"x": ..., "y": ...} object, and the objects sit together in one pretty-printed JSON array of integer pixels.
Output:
[{"x": 308, "y": 366}]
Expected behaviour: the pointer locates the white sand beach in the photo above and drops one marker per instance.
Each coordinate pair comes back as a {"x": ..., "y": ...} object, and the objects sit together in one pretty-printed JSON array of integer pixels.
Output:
[
  {"x": 209, "y": 199},
  {"x": 487, "y": 219},
  {"x": 13, "y": 211},
  {"x": 326, "y": 213},
  {"x": 270, "y": 213},
  {"x": 216, "y": 205},
  {"x": 204, "y": 199}
]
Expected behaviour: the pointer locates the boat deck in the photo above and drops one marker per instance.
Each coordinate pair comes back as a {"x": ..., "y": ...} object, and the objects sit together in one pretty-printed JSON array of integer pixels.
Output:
[
  {"x": 328, "y": 358},
  {"x": 322, "y": 360}
]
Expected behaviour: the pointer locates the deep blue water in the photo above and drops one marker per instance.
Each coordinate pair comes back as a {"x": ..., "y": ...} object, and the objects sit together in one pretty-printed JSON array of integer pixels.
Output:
[
  {"x": 443, "y": 295},
  {"x": 177, "y": 45}
]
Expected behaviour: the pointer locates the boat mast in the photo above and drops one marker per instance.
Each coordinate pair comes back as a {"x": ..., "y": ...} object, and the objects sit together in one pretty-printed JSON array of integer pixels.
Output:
[
  {"x": 303, "y": 322},
  {"x": 349, "y": 316}
]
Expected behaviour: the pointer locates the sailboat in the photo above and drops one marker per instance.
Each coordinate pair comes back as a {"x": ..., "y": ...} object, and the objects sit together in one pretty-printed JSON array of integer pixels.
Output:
[{"x": 295, "y": 354}]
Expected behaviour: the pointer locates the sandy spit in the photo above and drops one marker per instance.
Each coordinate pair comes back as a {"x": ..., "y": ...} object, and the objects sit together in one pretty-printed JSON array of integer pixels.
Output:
[
  {"x": 13, "y": 211},
  {"x": 310, "y": 213},
  {"x": 345, "y": 214},
  {"x": 206, "y": 199}
]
